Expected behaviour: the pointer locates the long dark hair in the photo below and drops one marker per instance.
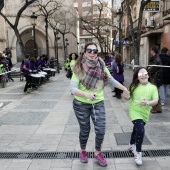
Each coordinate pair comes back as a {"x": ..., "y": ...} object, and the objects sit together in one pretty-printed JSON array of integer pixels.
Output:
[
  {"x": 135, "y": 81},
  {"x": 76, "y": 56},
  {"x": 78, "y": 68}
]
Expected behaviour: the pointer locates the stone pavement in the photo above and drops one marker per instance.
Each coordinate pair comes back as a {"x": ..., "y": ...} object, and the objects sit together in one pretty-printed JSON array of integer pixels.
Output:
[{"x": 44, "y": 121}]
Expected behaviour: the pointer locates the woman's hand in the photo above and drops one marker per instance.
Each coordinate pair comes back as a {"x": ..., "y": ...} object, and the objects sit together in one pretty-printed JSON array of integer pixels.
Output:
[
  {"x": 126, "y": 93},
  {"x": 90, "y": 96}
]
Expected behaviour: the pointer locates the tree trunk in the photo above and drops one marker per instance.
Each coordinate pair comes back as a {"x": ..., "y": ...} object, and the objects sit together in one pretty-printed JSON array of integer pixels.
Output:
[
  {"x": 64, "y": 47},
  {"x": 19, "y": 40}
]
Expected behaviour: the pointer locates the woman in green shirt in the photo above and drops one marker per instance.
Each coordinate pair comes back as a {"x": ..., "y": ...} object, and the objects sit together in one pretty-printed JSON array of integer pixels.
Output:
[
  {"x": 89, "y": 78},
  {"x": 143, "y": 95}
]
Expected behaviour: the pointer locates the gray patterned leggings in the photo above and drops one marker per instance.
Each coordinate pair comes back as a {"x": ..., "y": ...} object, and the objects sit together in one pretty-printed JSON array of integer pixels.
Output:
[{"x": 83, "y": 111}]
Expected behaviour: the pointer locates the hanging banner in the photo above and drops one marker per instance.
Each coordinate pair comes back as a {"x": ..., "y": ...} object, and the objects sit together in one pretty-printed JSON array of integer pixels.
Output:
[{"x": 152, "y": 6}]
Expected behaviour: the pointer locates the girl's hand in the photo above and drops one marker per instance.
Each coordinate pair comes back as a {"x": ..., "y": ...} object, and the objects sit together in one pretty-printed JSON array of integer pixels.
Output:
[
  {"x": 90, "y": 96},
  {"x": 126, "y": 93},
  {"x": 144, "y": 103}
]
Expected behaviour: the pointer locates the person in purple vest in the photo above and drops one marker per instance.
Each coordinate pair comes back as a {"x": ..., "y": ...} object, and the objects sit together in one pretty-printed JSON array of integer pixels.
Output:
[{"x": 26, "y": 73}]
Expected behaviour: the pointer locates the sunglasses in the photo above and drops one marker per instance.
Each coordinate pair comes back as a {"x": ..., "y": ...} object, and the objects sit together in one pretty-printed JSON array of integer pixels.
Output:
[
  {"x": 142, "y": 74},
  {"x": 95, "y": 51}
]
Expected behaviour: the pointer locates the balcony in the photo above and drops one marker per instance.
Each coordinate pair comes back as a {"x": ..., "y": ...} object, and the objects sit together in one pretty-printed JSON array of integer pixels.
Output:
[{"x": 135, "y": 25}]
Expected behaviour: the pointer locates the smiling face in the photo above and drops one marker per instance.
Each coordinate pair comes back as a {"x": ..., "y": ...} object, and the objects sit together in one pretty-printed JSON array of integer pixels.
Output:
[
  {"x": 143, "y": 76},
  {"x": 91, "y": 52}
]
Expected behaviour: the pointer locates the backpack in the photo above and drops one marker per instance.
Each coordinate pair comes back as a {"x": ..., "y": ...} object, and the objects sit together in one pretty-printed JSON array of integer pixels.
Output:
[{"x": 120, "y": 69}]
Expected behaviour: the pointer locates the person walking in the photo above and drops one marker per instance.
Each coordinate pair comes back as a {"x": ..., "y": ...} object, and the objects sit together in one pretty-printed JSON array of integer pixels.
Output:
[
  {"x": 117, "y": 69},
  {"x": 89, "y": 78},
  {"x": 26, "y": 73},
  {"x": 165, "y": 58},
  {"x": 9, "y": 66},
  {"x": 155, "y": 74},
  {"x": 143, "y": 95}
]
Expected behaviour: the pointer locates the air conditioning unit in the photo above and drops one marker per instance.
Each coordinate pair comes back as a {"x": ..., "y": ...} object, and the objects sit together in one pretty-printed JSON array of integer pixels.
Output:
[{"x": 150, "y": 22}]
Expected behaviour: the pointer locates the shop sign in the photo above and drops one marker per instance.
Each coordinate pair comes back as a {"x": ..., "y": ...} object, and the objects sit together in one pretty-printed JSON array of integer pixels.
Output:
[{"x": 152, "y": 6}]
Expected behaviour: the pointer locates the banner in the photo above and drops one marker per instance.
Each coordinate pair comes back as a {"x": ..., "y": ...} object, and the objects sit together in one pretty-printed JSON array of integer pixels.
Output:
[{"x": 152, "y": 6}]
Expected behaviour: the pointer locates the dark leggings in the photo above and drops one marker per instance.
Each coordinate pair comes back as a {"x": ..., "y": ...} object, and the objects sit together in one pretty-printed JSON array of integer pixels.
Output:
[
  {"x": 27, "y": 85},
  {"x": 83, "y": 113},
  {"x": 138, "y": 134}
]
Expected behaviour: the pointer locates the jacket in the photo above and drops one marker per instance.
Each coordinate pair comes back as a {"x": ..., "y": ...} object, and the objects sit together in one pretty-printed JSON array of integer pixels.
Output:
[
  {"x": 155, "y": 73},
  {"x": 166, "y": 71}
]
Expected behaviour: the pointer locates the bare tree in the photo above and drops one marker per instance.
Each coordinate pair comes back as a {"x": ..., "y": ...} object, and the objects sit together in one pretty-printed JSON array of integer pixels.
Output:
[
  {"x": 95, "y": 23},
  {"x": 62, "y": 21},
  {"x": 136, "y": 38},
  {"x": 46, "y": 9},
  {"x": 14, "y": 25}
]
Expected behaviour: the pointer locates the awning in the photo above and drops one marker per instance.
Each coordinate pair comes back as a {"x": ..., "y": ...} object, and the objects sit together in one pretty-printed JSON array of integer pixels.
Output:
[{"x": 152, "y": 32}]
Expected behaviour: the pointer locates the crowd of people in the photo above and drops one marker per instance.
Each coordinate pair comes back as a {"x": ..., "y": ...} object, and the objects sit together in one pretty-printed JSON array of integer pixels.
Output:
[
  {"x": 6, "y": 63},
  {"x": 34, "y": 65}
]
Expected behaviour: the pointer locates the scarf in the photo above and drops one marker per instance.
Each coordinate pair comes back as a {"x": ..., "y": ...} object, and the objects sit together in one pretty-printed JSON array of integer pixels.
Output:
[{"x": 95, "y": 76}]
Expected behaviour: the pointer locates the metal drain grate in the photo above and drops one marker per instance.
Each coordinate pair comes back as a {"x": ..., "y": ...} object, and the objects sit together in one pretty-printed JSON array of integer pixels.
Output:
[
  {"x": 16, "y": 155},
  {"x": 74, "y": 155}
]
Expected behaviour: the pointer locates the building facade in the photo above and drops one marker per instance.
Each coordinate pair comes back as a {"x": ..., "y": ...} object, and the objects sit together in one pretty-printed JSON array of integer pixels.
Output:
[
  {"x": 155, "y": 29},
  {"x": 9, "y": 39},
  {"x": 89, "y": 9}
]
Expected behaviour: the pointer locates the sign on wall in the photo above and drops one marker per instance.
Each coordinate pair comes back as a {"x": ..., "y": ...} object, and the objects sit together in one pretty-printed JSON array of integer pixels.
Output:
[{"x": 152, "y": 6}]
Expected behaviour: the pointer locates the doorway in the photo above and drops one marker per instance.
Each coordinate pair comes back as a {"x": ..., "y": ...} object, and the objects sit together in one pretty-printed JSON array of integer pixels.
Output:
[{"x": 29, "y": 48}]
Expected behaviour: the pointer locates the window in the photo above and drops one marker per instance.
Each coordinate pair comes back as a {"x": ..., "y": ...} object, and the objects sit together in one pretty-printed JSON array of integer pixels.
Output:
[
  {"x": 86, "y": 13},
  {"x": 88, "y": 40},
  {"x": 86, "y": 4},
  {"x": 102, "y": 1}
]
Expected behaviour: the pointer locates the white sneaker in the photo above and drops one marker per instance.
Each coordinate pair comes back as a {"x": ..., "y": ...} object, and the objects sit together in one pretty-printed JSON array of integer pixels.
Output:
[
  {"x": 132, "y": 148},
  {"x": 138, "y": 158},
  {"x": 1, "y": 104}
]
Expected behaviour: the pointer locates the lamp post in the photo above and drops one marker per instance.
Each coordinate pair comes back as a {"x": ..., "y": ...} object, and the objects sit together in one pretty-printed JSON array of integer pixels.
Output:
[
  {"x": 33, "y": 22},
  {"x": 107, "y": 42},
  {"x": 46, "y": 34},
  {"x": 78, "y": 47},
  {"x": 56, "y": 48},
  {"x": 66, "y": 44},
  {"x": 119, "y": 19}
]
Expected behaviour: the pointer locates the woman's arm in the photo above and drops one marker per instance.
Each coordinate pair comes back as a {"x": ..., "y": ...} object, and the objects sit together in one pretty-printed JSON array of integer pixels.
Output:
[{"x": 114, "y": 83}]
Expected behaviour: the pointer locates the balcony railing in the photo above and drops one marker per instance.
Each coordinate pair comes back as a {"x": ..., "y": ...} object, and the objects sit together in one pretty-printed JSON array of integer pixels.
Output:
[
  {"x": 135, "y": 25},
  {"x": 165, "y": 13}
]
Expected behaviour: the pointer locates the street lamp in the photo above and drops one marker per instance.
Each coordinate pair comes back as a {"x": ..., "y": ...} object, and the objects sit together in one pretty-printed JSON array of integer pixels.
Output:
[
  {"x": 66, "y": 44},
  {"x": 56, "y": 48},
  {"x": 78, "y": 47},
  {"x": 107, "y": 34},
  {"x": 119, "y": 19},
  {"x": 34, "y": 22}
]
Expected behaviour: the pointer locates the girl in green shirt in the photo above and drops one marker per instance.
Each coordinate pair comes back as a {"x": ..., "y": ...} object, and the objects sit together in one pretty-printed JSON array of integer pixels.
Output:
[{"x": 143, "y": 95}]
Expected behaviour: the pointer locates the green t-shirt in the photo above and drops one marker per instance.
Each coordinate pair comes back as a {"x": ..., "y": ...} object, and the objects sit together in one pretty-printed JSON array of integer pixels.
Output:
[
  {"x": 148, "y": 92},
  {"x": 99, "y": 92},
  {"x": 72, "y": 63},
  {"x": 1, "y": 65}
]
